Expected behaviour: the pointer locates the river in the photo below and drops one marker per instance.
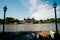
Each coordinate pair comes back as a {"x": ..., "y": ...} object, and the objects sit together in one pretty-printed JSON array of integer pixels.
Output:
[{"x": 29, "y": 27}]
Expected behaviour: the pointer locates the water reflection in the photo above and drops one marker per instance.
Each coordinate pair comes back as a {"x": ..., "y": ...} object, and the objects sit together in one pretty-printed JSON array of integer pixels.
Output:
[{"x": 29, "y": 27}]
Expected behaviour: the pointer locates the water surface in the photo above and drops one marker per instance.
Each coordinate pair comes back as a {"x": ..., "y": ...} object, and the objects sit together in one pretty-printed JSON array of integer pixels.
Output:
[{"x": 29, "y": 27}]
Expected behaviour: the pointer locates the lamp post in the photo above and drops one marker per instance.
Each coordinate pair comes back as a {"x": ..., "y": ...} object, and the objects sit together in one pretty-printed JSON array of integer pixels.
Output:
[
  {"x": 55, "y": 6},
  {"x": 5, "y": 9}
]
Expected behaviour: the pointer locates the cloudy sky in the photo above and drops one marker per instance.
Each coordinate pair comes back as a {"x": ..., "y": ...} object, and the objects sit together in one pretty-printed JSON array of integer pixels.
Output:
[{"x": 20, "y": 9}]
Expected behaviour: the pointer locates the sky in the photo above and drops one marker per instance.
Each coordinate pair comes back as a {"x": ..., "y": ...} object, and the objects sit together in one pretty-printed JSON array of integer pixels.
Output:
[{"x": 38, "y": 9}]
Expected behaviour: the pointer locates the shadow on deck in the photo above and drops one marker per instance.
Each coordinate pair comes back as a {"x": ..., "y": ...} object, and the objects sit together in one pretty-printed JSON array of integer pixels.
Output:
[{"x": 26, "y": 36}]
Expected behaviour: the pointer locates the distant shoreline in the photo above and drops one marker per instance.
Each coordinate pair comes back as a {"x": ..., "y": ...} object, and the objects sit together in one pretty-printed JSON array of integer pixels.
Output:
[{"x": 32, "y": 23}]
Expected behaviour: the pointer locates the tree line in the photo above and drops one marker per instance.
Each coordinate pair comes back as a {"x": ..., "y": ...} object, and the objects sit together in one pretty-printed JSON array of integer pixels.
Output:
[
  {"x": 10, "y": 20},
  {"x": 52, "y": 20}
]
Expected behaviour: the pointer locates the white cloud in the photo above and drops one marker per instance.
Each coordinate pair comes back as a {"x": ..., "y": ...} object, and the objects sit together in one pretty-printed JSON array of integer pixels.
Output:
[
  {"x": 40, "y": 10},
  {"x": 43, "y": 12}
]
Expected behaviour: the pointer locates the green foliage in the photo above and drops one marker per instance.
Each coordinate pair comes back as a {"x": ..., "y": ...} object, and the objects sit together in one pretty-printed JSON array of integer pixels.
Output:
[
  {"x": 18, "y": 21},
  {"x": 41, "y": 21},
  {"x": 52, "y": 20},
  {"x": 28, "y": 20},
  {"x": 1, "y": 21},
  {"x": 58, "y": 20},
  {"x": 11, "y": 20},
  {"x": 33, "y": 20}
]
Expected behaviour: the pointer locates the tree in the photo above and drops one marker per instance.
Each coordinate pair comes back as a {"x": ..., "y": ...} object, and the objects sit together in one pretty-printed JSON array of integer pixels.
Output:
[
  {"x": 24, "y": 19},
  {"x": 52, "y": 20},
  {"x": 33, "y": 20},
  {"x": 58, "y": 20},
  {"x": 10, "y": 20},
  {"x": 41, "y": 21},
  {"x": 48, "y": 21},
  {"x": 28, "y": 20},
  {"x": 17, "y": 21},
  {"x": 1, "y": 21}
]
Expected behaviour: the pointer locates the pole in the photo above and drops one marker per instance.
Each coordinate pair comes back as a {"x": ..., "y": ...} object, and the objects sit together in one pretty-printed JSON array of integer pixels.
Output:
[
  {"x": 56, "y": 20},
  {"x": 4, "y": 21}
]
